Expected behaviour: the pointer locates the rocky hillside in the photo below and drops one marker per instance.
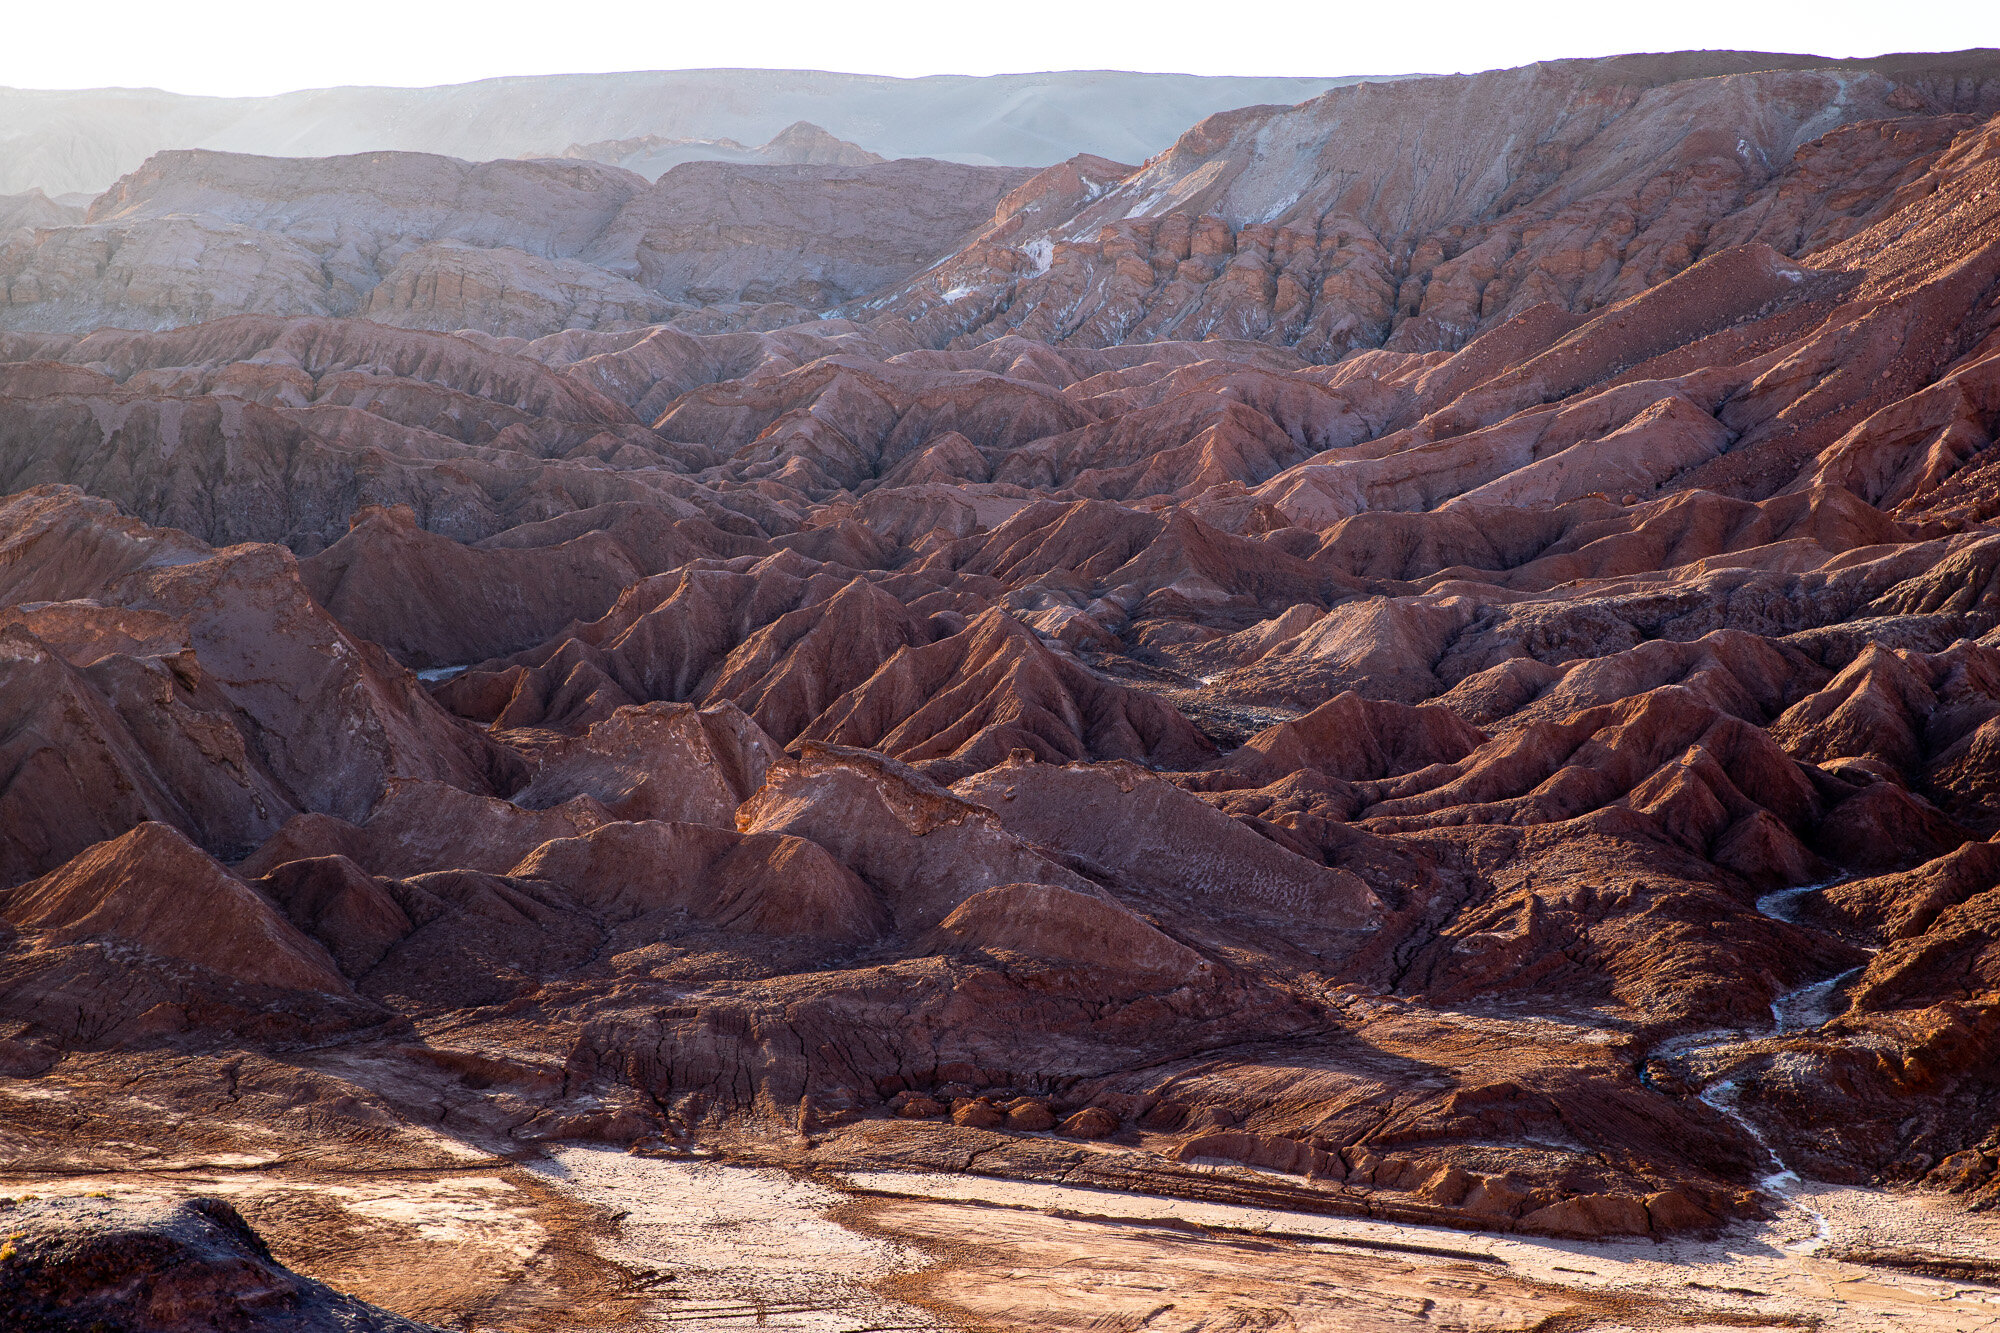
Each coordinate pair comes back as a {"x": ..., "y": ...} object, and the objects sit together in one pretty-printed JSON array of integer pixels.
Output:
[
  {"x": 65, "y": 142},
  {"x": 1514, "y": 747},
  {"x": 1415, "y": 215},
  {"x": 513, "y": 248}
]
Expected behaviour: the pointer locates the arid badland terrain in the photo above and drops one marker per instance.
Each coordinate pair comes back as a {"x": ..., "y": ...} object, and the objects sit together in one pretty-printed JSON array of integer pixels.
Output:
[{"x": 1389, "y": 718}]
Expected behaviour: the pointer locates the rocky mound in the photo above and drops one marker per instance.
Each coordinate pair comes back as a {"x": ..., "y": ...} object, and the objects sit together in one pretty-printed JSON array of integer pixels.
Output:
[{"x": 169, "y": 1267}]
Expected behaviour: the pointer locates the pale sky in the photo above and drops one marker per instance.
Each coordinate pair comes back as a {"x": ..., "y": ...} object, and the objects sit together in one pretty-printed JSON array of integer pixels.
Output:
[{"x": 238, "y": 47}]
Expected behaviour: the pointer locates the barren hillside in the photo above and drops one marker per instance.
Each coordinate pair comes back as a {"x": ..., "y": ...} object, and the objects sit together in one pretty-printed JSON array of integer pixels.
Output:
[{"x": 1431, "y": 655}]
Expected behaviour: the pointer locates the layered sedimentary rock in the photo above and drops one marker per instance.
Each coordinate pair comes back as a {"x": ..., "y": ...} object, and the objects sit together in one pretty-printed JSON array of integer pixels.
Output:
[
  {"x": 1502, "y": 764},
  {"x": 1420, "y": 213},
  {"x": 812, "y": 234},
  {"x": 510, "y": 248}
]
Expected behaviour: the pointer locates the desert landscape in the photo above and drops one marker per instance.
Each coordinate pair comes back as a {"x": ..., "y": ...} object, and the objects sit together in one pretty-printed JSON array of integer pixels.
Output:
[{"x": 1380, "y": 713}]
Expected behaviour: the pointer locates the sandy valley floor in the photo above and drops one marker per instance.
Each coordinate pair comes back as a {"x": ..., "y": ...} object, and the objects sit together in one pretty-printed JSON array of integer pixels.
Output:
[{"x": 594, "y": 1239}]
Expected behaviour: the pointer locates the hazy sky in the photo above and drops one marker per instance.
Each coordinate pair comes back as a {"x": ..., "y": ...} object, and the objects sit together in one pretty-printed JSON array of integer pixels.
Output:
[{"x": 263, "y": 46}]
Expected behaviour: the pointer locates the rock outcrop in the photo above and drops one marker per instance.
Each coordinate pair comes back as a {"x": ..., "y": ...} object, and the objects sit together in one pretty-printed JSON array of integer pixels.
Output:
[{"x": 175, "y": 1267}]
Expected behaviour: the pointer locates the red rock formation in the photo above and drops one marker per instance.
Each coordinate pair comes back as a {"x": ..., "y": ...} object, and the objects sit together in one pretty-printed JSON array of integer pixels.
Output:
[
  {"x": 407, "y": 590},
  {"x": 1354, "y": 739},
  {"x": 767, "y": 883},
  {"x": 156, "y": 891},
  {"x": 1585, "y": 189},
  {"x": 965, "y": 702},
  {"x": 1145, "y": 833},
  {"x": 1050, "y": 698},
  {"x": 201, "y": 688},
  {"x": 1063, "y": 926},
  {"x": 657, "y": 761},
  {"x": 923, "y": 848}
]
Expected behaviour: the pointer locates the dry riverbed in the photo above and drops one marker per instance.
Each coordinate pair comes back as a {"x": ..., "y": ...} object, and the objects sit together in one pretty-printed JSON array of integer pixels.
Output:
[{"x": 594, "y": 1239}]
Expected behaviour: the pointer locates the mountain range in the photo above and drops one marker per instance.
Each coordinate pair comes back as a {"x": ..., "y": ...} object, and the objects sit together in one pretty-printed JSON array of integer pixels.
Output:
[{"x": 80, "y": 141}]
